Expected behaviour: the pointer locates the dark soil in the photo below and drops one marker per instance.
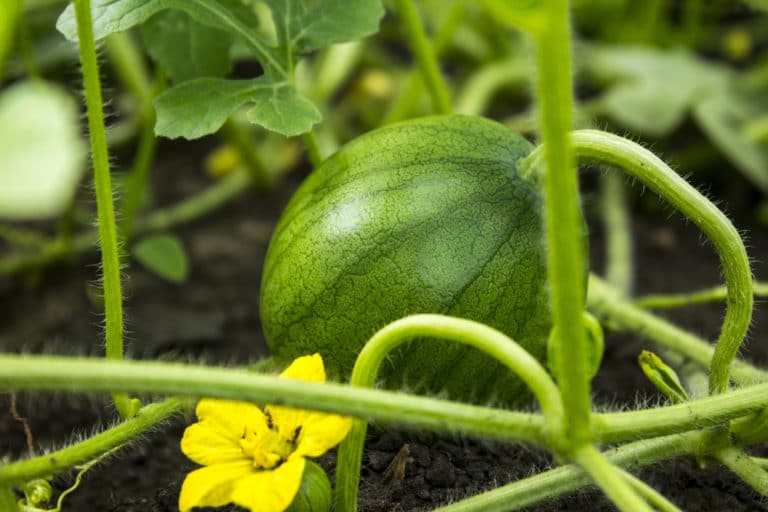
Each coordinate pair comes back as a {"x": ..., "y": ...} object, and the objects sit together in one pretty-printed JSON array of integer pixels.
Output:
[{"x": 214, "y": 318}]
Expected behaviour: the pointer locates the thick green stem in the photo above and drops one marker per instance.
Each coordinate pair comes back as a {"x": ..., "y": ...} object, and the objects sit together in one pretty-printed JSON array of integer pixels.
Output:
[
  {"x": 425, "y": 56},
  {"x": 620, "y": 314},
  {"x": 745, "y": 468},
  {"x": 474, "y": 334},
  {"x": 565, "y": 263},
  {"x": 638, "y": 162},
  {"x": 677, "y": 300},
  {"x": 619, "y": 267},
  {"x": 110, "y": 259},
  {"x": 91, "y": 375},
  {"x": 610, "y": 479},
  {"x": 147, "y": 418}
]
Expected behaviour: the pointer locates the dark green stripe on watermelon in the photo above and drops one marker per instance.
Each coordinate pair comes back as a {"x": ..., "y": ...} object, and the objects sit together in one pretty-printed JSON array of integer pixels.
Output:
[{"x": 426, "y": 216}]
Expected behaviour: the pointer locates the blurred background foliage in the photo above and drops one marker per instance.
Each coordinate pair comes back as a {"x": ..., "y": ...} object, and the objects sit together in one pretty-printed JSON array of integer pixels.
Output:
[{"x": 688, "y": 78}]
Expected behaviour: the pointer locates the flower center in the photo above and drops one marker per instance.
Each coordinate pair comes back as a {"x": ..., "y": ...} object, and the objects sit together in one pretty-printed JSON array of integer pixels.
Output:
[{"x": 268, "y": 447}]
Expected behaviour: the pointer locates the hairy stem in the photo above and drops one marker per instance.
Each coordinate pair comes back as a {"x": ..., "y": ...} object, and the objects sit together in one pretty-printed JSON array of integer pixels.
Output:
[
  {"x": 564, "y": 479},
  {"x": 110, "y": 259},
  {"x": 622, "y": 315},
  {"x": 745, "y": 468},
  {"x": 610, "y": 479},
  {"x": 653, "y": 497},
  {"x": 677, "y": 300},
  {"x": 563, "y": 222},
  {"x": 147, "y": 418},
  {"x": 91, "y": 375},
  {"x": 474, "y": 334},
  {"x": 619, "y": 268},
  {"x": 635, "y": 160},
  {"x": 425, "y": 56}
]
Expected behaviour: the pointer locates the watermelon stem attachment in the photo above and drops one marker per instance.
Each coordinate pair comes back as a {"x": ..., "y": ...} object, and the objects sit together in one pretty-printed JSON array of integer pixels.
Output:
[{"x": 468, "y": 332}]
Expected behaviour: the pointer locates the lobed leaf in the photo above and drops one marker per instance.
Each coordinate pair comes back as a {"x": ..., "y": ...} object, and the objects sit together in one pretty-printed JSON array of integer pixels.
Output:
[
  {"x": 201, "y": 106},
  {"x": 191, "y": 46},
  {"x": 186, "y": 49}
]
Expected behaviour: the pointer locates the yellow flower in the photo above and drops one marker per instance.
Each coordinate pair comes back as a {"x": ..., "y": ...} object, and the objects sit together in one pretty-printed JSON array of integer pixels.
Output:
[{"x": 254, "y": 457}]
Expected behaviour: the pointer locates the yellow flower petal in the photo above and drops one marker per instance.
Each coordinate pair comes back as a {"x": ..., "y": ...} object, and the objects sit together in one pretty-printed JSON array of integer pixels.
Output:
[
  {"x": 229, "y": 417},
  {"x": 212, "y": 486},
  {"x": 320, "y": 432},
  {"x": 308, "y": 368},
  {"x": 206, "y": 445},
  {"x": 270, "y": 491}
]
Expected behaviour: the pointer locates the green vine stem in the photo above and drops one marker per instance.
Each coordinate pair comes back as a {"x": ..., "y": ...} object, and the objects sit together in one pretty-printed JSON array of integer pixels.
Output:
[
  {"x": 610, "y": 479},
  {"x": 653, "y": 497},
  {"x": 563, "y": 223},
  {"x": 410, "y": 93},
  {"x": 73, "y": 374},
  {"x": 77, "y": 374},
  {"x": 425, "y": 56},
  {"x": 695, "y": 414},
  {"x": 621, "y": 314},
  {"x": 147, "y": 418},
  {"x": 745, "y": 468},
  {"x": 677, "y": 300},
  {"x": 619, "y": 268},
  {"x": 110, "y": 260},
  {"x": 474, "y": 334},
  {"x": 564, "y": 479},
  {"x": 638, "y": 162}
]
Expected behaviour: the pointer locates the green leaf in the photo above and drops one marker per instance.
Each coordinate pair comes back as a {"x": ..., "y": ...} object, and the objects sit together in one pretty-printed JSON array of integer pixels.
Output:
[
  {"x": 42, "y": 154},
  {"x": 164, "y": 255},
  {"x": 662, "y": 376},
  {"x": 111, "y": 16},
  {"x": 300, "y": 26},
  {"x": 652, "y": 90},
  {"x": 329, "y": 22},
  {"x": 201, "y": 106},
  {"x": 186, "y": 49},
  {"x": 723, "y": 118}
]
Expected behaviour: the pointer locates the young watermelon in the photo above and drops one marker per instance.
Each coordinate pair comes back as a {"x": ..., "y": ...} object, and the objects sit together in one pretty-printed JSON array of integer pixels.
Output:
[{"x": 426, "y": 216}]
